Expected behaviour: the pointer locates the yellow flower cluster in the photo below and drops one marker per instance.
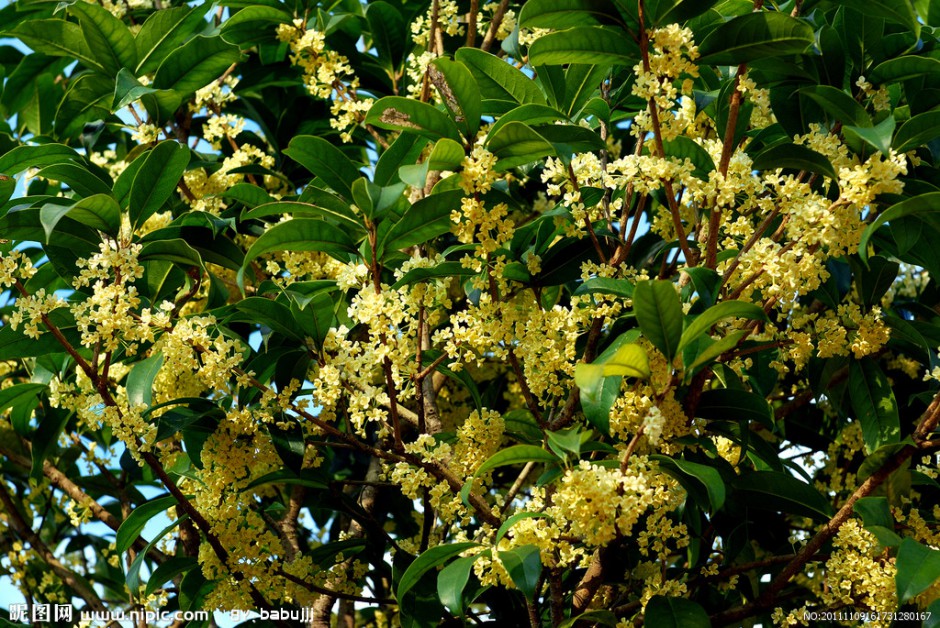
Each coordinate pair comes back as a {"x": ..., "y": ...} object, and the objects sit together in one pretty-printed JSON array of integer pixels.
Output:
[
  {"x": 14, "y": 265},
  {"x": 672, "y": 56},
  {"x": 858, "y": 574}
]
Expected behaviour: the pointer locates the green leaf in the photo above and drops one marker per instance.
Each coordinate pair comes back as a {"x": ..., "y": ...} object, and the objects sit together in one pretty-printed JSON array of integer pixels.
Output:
[
  {"x": 389, "y": 33},
  {"x": 301, "y": 234},
  {"x": 460, "y": 93},
  {"x": 516, "y": 454},
  {"x": 45, "y": 439},
  {"x": 174, "y": 250},
  {"x": 328, "y": 207},
  {"x": 195, "y": 64},
  {"x": 594, "y": 618},
  {"x": 524, "y": 565},
  {"x": 674, "y": 612},
  {"x": 135, "y": 523},
  {"x": 254, "y": 25},
  {"x": 703, "y": 474},
  {"x": 917, "y": 131},
  {"x": 903, "y": 69},
  {"x": 629, "y": 360},
  {"x": 716, "y": 348},
  {"x": 109, "y": 40},
  {"x": 398, "y": 113},
  {"x": 127, "y": 90},
  {"x": 726, "y": 309},
  {"x": 325, "y": 161},
  {"x": 873, "y": 282},
  {"x": 444, "y": 269},
  {"x": 23, "y": 157},
  {"x": 781, "y": 492},
  {"x": 156, "y": 180},
  {"x": 683, "y": 148},
  {"x": 132, "y": 578},
  {"x": 918, "y": 568},
  {"x": 878, "y": 136},
  {"x": 98, "y": 212},
  {"x": 427, "y": 561},
  {"x": 529, "y": 114},
  {"x": 585, "y": 44},
  {"x": 598, "y": 394},
  {"x": 17, "y": 395},
  {"x": 516, "y": 143},
  {"x": 174, "y": 566},
  {"x": 446, "y": 155},
  {"x": 603, "y": 285},
  {"x": 721, "y": 404},
  {"x": 875, "y": 511},
  {"x": 659, "y": 313},
  {"x": 497, "y": 79},
  {"x": 923, "y": 206},
  {"x": 426, "y": 219},
  {"x": 678, "y": 11},
  {"x": 77, "y": 177},
  {"x": 794, "y": 156},
  {"x": 840, "y": 105},
  {"x": 451, "y": 582},
  {"x": 874, "y": 404},
  {"x": 56, "y": 38},
  {"x": 164, "y": 32},
  {"x": 562, "y": 14},
  {"x": 140, "y": 380},
  {"x": 754, "y": 36},
  {"x": 310, "y": 478},
  {"x": 897, "y": 11}
]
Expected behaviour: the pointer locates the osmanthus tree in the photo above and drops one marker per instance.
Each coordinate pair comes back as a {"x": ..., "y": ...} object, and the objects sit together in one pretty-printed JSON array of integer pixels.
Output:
[{"x": 570, "y": 312}]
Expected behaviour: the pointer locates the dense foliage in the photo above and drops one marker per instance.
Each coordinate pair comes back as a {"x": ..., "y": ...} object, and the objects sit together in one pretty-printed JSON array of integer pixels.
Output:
[{"x": 412, "y": 312}]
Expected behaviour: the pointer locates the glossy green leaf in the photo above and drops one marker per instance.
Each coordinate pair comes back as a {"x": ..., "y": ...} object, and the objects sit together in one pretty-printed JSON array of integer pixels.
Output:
[
  {"x": 781, "y": 492},
  {"x": 195, "y": 64},
  {"x": 918, "y": 569},
  {"x": 426, "y": 219},
  {"x": 137, "y": 520},
  {"x": 253, "y": 25},
  {"x": 497, "y": 79},
  {"x": 562, "y": 14},
  {"x": 754, "y": 36},
  {"x": 166, "y": 30},
  {"x": 56, "y": 38},
  {"x": 167, "y": 571},
  {"x": 524, "y": 565},
  {"x": 324, "y": 160},
  {"x": 301, "y": 234},
  {"x": 446, "y": 155},
  {"x": 459, "y": 92},
  {"x": 516, "y": 454},
  {"x": 664, "y": 12},
  {"x": 16, "y": 395},
  {"x": 99, "y": 212},
  {"x": 598, "y": 394},
  {"x": 726, "y": 309},
  {"x": 23, "y": 157},
  {"x": 174, "y": 250},
  {"x": 903, "y": 69},
  {"x": 109, "y": 40},
  {"x": 127, "y": 90},
  {"x": 840, "y": 105},
  {"x": 156, "y": 180},
  {"x": 897, "y": 11},
  {"x": 796, "y": 157},
  {"x": 705, "y": 475},
  {"x": 878, "y": 136},
  {"x": 917, "y": 131},
  {"x": 722, "y": 404},
  {"x": 516, "y": 144},
  {"x": 674, "y": 612},
  {"x": 398, "y": 113},
  {"x": 874, "y": 404},
  {"x": 603, "y": 285},
  {"x": 716, "y": 348},
  {"x": 682, "y": 148},
  {"x": 659, "y": 313},
  {"x": 875, "y": 511},
  {"x": 132, "y": 578},
  {"x": 451, "y": 582},
  {"x": 389, "y": 33},
  {"x": 140, "y": 380},
  {"x": 585, "y": 44},
  {"x": 79, "y": 179},
  {"x": 431, "y": 558}
]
